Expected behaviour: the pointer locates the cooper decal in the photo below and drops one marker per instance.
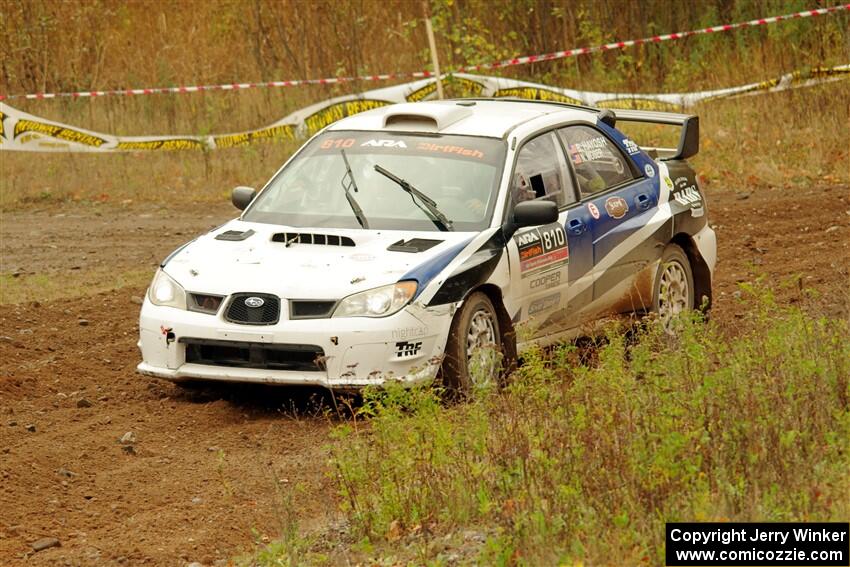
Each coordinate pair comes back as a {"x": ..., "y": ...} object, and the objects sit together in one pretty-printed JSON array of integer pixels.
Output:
[
  {"x": 616, "y": 207},
  {"x": 404, "y": 349},
  {"x": 649, "y": 170},
  {"x": 541, "y": 248},
  {"x": 547, "y": 280},
  {"x": 594, "y": 210}
]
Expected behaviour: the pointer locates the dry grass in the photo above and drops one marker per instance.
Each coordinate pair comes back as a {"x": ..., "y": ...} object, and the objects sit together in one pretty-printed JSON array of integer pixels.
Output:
[
  {"x": 798, "y": 137},
  {"x": 584, "y": 463},
  {"x": 790, "y": 138}
]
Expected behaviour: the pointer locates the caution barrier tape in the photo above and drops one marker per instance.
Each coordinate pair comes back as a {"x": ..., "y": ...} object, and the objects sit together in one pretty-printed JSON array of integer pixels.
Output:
[
  {"x": 428, "y": 74},
  {"x": 654, "y": 39},
  {"x": 20, "y": 131}
]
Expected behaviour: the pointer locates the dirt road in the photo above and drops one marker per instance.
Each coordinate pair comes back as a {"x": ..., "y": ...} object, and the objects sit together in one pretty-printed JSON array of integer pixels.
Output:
[{"x": 202, "y": 476}]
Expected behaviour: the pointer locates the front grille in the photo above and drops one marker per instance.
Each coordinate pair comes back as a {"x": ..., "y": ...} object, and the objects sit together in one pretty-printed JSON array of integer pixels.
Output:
[
  {"x": 240, "y": 312},
  {"x": 304, "y": 358},
  {"x": 310, "y": 309}
]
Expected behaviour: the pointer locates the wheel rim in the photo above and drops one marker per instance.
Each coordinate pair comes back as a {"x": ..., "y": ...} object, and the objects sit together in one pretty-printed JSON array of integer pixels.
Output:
[
  {"x": 481, "y": 354},
  {"x": 673, "y": 293}
]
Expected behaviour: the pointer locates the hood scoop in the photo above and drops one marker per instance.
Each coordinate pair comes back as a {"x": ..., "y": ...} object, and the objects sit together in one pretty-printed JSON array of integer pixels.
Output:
[
  {"x": 234, "y": 235},
  {"x": 289, "y": 238},
  {"x": 413, "y": 245}
]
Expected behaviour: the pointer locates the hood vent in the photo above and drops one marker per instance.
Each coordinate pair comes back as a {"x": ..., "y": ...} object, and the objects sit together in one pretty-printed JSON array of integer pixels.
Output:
[
  {"x": 413, "y": 245},
  {"x": 234, "y": 235},
  {"x": 289, "y": 238}
]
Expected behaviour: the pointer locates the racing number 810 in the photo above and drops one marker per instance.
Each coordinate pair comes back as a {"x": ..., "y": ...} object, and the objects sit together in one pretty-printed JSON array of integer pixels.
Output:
[
  {"x": 553, "y": 238},
  {"x": 337, "y": 143}
]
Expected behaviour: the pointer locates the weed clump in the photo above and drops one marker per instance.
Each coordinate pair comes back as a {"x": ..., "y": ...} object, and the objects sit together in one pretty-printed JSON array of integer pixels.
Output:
[{"x": 587, "y": 462}]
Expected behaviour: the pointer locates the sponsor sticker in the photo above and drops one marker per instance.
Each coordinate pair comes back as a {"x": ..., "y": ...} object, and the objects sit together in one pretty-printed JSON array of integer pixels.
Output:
[
  {"x": 649, "y": 170},
  {"x": 588, "y": 150},
  {"x": 406, "y": 349},
  {"x": 631, "y": 147},
  {"x": 544, "y": 304},
  {"x": 541, "y": 248},
  {"x": 409, "y": 333},
  {"x": 687, "y": 194},
  {"x": 616, "y": 207},
  {"x": 668, "y": 182},
  {"x": 383, "y": 144},
  {"x": 594, "y": 210}
]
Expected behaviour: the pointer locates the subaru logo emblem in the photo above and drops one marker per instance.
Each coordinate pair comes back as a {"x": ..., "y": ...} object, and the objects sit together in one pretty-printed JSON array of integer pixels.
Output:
[{"x": 254, "y": 302}]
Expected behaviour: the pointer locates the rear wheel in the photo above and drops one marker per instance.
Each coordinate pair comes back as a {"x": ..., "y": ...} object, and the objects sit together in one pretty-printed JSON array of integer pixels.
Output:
[
  {"x": 474, "y": 348},
  {"x": 674, "y": 286}
]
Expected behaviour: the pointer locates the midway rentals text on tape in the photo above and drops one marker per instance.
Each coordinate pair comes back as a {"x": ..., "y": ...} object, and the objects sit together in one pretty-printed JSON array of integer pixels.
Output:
[
  {"x": 20, "y": 131},
  {"x": 764, "y": 543}
]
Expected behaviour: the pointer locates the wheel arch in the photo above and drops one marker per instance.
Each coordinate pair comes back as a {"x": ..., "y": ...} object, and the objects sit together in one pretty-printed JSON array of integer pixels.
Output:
[{"x": 701, "y": 273}]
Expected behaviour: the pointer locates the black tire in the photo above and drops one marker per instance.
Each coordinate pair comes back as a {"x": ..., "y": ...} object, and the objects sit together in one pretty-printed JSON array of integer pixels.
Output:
[
  {"x": 673, "y": 291},
  {"x": 463, "y": 370}
]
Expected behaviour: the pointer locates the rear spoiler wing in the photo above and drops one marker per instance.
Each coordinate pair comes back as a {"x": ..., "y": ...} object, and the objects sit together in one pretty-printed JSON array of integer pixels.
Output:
[{"x": 688, "y": 139}]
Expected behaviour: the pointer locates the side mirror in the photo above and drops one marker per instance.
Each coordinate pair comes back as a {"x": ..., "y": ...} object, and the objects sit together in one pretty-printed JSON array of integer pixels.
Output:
[
  {"x": 242, "y": 197},
  {"x": 531, "y": 213}
]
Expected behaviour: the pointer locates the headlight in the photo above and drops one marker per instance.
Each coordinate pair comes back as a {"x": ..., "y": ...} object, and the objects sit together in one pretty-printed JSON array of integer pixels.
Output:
[
  {"x": 378, "y": 302},
  {"x": 165, "y": 291}
]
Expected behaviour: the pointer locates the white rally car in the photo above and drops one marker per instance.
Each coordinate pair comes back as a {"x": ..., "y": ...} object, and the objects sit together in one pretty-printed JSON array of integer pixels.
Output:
[{"x": 423, "y": 239}]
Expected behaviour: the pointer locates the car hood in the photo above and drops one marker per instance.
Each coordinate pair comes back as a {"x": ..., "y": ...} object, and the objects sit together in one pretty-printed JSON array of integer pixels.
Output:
[{"x": 263, "y": 262}]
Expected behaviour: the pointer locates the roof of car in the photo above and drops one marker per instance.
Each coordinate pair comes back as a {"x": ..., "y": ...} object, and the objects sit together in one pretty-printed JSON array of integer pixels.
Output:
[{"x": 492, "y": 118}]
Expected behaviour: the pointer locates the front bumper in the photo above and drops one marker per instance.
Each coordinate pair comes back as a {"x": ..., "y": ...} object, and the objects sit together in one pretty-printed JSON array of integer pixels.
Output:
[{"x": 354, "y": 352}]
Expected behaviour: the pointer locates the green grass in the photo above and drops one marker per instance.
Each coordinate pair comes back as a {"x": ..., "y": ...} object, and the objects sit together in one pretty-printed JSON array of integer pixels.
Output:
[{"x": 584, "y": 463}]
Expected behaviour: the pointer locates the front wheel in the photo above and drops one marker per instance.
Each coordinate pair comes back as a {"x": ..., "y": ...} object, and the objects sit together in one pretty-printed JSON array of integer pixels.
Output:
[
  {"x": 474, "y": 347},
  {"x": 674, "y": 286}
]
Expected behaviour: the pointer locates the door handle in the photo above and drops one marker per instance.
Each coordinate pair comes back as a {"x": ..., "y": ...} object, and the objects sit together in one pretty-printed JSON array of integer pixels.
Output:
[
  {"x": 576, "y": 227},
  {"x": 643, "y": 201}
]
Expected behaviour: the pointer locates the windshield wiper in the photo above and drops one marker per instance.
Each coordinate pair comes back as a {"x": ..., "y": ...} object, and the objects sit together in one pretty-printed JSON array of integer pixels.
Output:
[
  {"x": 358, "y": 212},
  {"x": 427, "y": 205}
]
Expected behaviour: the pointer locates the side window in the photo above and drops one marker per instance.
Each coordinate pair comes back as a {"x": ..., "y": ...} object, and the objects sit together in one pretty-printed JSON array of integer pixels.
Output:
[
  {"x": 541, "y": 173},
  {"x": 598, "y": 164}
]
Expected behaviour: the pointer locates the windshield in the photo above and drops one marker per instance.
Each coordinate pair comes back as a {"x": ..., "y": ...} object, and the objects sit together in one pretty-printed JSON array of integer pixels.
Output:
[{"x": 459, "y": 175}]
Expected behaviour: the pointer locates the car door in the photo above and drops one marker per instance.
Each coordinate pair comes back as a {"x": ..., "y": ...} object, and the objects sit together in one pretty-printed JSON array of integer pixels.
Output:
[
  {"x": 540, "y": 257},
  {"x": 616, "y": 200}
]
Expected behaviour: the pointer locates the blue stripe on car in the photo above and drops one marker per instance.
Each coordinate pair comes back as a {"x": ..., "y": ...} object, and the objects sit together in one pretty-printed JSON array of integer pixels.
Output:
[{"x": 428, "y": 270}]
